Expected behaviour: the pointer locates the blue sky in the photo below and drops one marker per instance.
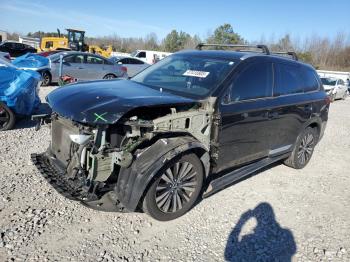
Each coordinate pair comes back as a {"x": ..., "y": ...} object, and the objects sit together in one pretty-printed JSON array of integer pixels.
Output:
[{"x": 251, "y": 19}]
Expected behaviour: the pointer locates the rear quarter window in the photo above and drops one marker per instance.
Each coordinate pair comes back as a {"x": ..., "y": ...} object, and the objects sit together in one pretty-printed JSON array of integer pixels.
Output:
[{"x": 310, "y": 81}]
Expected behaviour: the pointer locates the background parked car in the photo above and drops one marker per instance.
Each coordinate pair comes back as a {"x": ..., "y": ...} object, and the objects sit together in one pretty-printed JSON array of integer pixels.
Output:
[
  {"x": 85, "y": 66},
  {"x": 16, "y": 49},
  {"x": 37, "y": 63},
  {"x": 133, "y": 65},
  {"x": 18, "y": 93},
  {"x": 5, "y": 55},
  {"x": 335, "y": 88}
]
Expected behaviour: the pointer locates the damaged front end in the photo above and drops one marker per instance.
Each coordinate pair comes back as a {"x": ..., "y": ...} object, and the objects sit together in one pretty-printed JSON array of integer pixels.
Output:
[{"x": 108, "y": 166}]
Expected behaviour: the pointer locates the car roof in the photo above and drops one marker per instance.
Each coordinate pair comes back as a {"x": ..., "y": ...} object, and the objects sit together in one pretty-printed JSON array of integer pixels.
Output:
[
  {"x": 75, "y": 53},
  {"x": 237, "y": 55}
]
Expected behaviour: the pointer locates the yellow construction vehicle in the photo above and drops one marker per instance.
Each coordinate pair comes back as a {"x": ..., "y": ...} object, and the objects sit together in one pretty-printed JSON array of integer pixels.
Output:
[
  {"x": 106, "y": 52},
  {"x": 75, "y": 41}
]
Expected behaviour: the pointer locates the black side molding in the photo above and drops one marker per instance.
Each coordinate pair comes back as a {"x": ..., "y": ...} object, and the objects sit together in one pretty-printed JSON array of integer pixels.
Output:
[{"x": 231, "y": 177}]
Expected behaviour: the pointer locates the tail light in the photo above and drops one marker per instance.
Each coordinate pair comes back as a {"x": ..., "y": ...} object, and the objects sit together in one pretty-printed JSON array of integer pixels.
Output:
[{"x": 124, "y": 69}]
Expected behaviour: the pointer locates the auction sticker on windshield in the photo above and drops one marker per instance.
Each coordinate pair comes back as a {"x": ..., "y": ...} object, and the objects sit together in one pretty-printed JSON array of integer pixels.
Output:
[{"x": 201, "y": 74}]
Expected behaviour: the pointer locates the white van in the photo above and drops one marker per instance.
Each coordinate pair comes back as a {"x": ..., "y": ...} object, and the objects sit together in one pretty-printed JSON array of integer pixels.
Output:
[{"x": 149, "y": 56}]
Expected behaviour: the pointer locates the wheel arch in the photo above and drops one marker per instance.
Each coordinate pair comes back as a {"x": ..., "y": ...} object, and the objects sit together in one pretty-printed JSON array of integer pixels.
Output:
[
  {"x": 115, "y": 76},
  {"x": 315, "y": 125},
  {"x": 134, "y": 181}
]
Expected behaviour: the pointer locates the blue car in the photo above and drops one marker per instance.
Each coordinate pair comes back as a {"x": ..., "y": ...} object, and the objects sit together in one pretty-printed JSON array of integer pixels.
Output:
[{"x": 18, "y": 93}]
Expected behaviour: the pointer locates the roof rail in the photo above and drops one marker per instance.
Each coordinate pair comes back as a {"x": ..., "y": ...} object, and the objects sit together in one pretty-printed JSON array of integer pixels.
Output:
[
  {"x": 262, "y": 47},
  {"x": 290, "y": 53}
]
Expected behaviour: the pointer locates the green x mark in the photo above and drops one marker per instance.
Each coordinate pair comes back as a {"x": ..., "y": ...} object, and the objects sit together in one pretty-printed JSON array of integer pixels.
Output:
[{"x": 100, "y": 117}]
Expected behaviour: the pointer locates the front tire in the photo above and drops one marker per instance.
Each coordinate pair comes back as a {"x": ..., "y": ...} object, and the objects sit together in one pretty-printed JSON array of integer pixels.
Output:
[
  {"x": 303, "y": 149},
  {"x": 175, "y": 189},
  {"x": 109, "y": 76}
]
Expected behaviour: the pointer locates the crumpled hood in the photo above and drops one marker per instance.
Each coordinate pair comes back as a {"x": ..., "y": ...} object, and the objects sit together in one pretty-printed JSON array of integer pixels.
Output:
[{"x": 106, "y": 101}]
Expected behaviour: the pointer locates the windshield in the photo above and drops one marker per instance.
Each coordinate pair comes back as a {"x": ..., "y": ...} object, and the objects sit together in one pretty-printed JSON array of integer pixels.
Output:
[
  {"x": 328, "y": 81},
  {"x": 187, "y": 75}
]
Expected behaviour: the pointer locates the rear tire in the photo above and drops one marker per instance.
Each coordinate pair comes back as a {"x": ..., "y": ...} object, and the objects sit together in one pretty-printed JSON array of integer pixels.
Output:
[
  {"x": 109, "y": 76},
  {"x": 175, "y": 188},
  {"x": 303, "y": 149},
  {"x": 7, "y": 118}
]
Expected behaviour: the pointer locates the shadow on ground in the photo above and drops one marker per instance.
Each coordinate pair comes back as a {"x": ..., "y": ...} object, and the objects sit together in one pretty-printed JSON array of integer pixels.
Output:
[{"x": 268, "y": 241}]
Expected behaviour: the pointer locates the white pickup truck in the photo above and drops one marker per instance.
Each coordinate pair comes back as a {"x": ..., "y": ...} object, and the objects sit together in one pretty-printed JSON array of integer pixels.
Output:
[{"x": 149, "y": 56}]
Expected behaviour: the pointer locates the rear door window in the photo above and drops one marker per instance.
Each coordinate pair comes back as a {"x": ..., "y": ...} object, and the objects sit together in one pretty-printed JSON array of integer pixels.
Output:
[
  {"x": 74, "y": 59},
  {"x": 124, "y": 61},
  {"x": 135, "y": 61},
  {"x": 288, "y": 79},
  {"x": 255, "y": 81},
  {"x": 94, "y": 60}
]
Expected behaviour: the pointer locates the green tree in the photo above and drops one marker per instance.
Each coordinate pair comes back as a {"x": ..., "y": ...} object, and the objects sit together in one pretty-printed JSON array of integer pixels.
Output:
[
  {"x": 175, "y": 41},
  {"x": 224, "y": 34}
]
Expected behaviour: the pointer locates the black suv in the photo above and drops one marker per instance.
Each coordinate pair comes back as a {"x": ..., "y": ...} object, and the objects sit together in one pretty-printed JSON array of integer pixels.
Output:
[
  {"x": 188, "y": 126},
  {"x": 16, "y": 49}
]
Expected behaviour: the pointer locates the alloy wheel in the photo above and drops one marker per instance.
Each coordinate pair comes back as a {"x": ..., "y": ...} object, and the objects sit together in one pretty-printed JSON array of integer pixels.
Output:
[
  {"x": 175, "y": 187},
  {"x": 109, "y": 76},
  {"x": 4, "y": 117},
  {"x": 46, "y": 79},
  {"x": 305, "y": 148}
]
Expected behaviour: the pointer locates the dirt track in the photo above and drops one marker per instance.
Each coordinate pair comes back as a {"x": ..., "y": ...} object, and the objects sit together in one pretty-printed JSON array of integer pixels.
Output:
[{"x": 298, "y": 214}]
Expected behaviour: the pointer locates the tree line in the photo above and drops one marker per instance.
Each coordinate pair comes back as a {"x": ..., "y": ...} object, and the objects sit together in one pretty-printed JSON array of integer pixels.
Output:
[{"x": 321, "y": 52}]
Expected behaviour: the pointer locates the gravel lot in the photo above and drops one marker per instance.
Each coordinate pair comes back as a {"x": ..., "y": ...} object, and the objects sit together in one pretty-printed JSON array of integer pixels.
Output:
[{"x": 301, "y": 215}]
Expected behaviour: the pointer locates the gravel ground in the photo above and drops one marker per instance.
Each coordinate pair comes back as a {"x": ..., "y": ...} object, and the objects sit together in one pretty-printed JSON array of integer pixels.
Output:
[{"x": 280, "y": 212}]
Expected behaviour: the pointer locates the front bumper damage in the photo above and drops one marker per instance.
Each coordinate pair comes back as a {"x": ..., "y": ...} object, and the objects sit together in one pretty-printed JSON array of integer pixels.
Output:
[
  {"x": 55, "y": 176},
  {"x": 108, "y": 167}
]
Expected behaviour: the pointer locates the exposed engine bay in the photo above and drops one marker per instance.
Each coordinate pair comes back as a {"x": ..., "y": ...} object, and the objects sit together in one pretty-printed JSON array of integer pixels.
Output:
[{"x": 92, "y": 157}]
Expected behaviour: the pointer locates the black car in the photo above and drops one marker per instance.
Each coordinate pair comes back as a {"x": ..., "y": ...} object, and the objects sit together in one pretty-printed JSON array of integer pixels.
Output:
[
  {"x": 16, "y": 49},
  {"x": 188, "y": 126}
]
